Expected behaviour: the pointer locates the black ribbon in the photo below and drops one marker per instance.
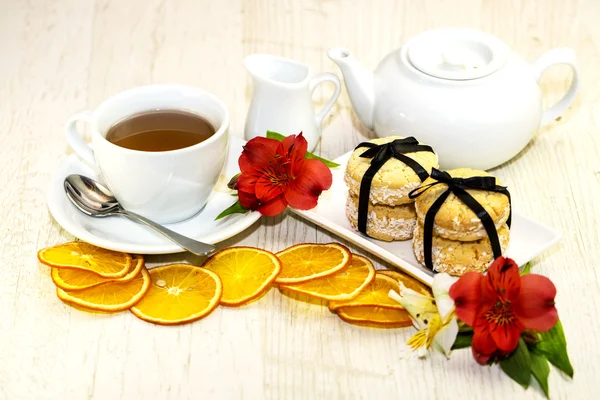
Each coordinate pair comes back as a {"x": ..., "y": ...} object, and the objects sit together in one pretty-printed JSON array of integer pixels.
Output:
[
  {"x": 458, "y": 186},
  {"x": 380, "y": 154}
]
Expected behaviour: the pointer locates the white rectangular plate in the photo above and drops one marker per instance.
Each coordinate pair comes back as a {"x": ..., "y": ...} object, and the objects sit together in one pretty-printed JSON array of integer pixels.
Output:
[{"x": 528, "y": 238}]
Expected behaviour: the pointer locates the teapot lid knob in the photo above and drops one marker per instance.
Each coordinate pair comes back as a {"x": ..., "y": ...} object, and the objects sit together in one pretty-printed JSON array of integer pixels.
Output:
[{"x": 456, "y": 54}]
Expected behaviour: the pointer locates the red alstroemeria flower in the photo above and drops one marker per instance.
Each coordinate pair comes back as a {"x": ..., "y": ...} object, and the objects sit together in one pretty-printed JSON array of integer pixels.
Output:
[
  {"x": 499, "y": 306},
  {"x": 275, "y": 174}
]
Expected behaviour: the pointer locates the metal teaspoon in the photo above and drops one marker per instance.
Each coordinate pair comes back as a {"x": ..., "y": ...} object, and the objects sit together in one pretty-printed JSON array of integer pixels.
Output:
[{"x": 94, "y": 199}]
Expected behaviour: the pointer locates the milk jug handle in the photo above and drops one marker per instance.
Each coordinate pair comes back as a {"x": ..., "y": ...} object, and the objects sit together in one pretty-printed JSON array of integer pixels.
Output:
[
  {"x": 316, "y": 81},
  {"x": 555, "y": 57}
]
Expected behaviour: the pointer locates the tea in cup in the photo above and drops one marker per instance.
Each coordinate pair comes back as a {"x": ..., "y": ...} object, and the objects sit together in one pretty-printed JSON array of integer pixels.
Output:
[{"x": 159, "y": 148}]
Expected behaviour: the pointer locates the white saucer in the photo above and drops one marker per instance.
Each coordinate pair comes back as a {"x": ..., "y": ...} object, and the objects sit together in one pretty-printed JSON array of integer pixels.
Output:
[
  {"x": 528, "y": 238},
  {"x": 121, "y": 234}
]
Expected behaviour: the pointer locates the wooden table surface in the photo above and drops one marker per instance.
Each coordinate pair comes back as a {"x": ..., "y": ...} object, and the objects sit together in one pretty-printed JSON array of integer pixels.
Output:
[{"x": 60, "y": 56}]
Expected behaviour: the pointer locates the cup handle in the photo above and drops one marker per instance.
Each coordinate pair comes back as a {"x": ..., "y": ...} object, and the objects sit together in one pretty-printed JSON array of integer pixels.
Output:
[
  {"x": 316, "y": 81},
  {"x": 554, "y": 57},
  {"x": 75, "y": 140}
]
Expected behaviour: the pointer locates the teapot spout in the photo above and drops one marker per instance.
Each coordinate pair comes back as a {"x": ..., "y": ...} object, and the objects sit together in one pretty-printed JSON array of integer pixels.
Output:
[{"x": 359, "y": 83}]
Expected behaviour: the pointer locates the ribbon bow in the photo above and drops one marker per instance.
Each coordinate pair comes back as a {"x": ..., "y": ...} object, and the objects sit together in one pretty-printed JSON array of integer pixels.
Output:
[
  {"x": 458, "y": 186},
  {"x": 380, "y": 154}
]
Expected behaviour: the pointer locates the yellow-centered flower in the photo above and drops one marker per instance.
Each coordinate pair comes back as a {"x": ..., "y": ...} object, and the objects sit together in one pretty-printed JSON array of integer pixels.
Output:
[{"x": 433, "y": 317}]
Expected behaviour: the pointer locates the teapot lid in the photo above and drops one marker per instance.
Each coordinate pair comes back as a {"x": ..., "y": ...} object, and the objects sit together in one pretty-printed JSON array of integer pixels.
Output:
[{"x": 457, "y": 54}]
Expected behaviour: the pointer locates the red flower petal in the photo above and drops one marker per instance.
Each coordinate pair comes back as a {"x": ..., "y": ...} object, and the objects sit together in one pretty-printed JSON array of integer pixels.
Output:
[
  {"x": 535, "y": 305},
  {"x": 257, "y": 152},
  {"x": 481, "y": 358},
  {"x": 506, "y": 336},
  {"x": 483, "y": 345},
  {"x": 266, "y": 190},
  {"x": 273, "y": 207},
  {"x": 466, "y": 293},
  {"x": 303, "y": 192},
  {"x": 504, "y": 278},
  {"x": 247, "y": 183},
  {"x": 248, "y": 200},
  {"x": 296, "y": 145}
]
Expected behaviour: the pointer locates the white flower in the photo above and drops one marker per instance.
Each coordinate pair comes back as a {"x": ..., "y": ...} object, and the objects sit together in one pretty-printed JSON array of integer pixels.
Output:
[{"x": 433, "y": 316}]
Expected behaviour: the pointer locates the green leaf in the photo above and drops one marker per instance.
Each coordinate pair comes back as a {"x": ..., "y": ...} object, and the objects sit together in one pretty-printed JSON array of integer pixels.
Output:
[
  {"x": 525, "y": 269},
  {"x": 330, "y": 164},
  {"x": 275, "y": 135},
  {"x": 280, "y": 137},
  {"x": 235, "y": 208},
  {"x": 464, "y": 328},
  {"x": 462, "y": 341},
  {"x": 540, "y": 371},
  {"x": 553, "y": 346},
  {"x": 518, "y": 365}
]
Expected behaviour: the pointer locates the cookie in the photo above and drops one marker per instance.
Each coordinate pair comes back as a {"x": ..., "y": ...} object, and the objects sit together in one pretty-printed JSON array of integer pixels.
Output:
[
  {"x": 455, "y": 220},
  {"x": 384, "y": 222},
  {"x": 458, "y": 257},
  {"x": 394, "y": 181}
]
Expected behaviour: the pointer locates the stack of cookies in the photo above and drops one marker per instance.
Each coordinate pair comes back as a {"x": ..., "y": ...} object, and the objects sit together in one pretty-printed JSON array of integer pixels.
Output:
[
  {"x": 460, "y": 241},
  {"x": 391, "y": 212}
]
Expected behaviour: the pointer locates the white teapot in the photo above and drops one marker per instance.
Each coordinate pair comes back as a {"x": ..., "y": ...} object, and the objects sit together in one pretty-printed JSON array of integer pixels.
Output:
[{"x": 462, "y": 91}]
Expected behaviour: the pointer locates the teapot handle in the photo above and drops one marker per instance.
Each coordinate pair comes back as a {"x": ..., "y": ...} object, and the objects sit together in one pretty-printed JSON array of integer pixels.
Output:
[
  {"x": 554, "y": 57},
  {"x": 325, "y": 77}
]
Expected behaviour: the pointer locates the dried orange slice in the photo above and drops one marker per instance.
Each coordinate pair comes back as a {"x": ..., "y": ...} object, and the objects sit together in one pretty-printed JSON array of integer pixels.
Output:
[
  {"x": 109, "y": 296},
  {"x": 87, "y": 257},
  {"x": 377, "y": 317},
  {"x": 374, "y": 294},
  {"x": 76, "y": 279},
  {"x": 179, "y": 293},
  {"x": 245, "y": 273},
  {"x": 342, "y": 285},
  {"x": 304, "y": 262},
  {"x": 88, "y": 310},
  {"x": 407, "y": 280},
  {"x": 301, "y": 297}
]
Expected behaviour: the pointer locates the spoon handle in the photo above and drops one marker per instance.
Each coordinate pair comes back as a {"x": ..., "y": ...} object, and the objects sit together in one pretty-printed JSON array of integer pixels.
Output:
[{"x": 191, "y": 245}]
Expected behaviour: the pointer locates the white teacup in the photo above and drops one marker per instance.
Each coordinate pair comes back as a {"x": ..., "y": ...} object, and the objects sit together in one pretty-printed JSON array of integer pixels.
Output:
[{"x": 166, "y": 186}]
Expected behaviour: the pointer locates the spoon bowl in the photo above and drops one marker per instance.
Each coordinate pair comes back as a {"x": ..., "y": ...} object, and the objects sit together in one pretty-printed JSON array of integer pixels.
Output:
[{"x": 89, "y": 198}]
